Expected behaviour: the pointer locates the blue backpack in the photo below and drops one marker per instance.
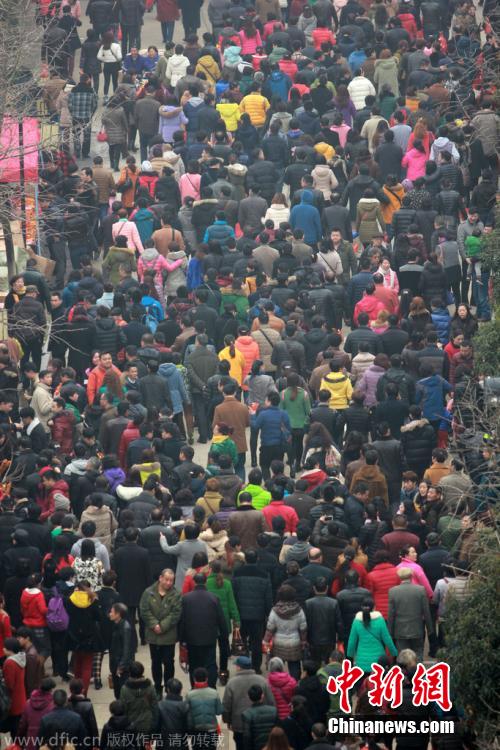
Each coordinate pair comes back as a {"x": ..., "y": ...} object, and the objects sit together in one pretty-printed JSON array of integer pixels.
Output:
[{"x": 150, "y": 318}]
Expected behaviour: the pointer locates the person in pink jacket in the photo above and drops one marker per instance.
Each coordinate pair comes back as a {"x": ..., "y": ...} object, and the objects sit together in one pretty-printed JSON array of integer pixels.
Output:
[
  {"x": 152, "y": 261},
  {"x": 368, "y": 304},
  {"x": 250, "y": 39},
  {"x": 282, "y": 686},
  {"x": 189, "y": 183},
  {"x": 409, "y": 556},
  {"x": 390, "y": 276},
  {"x": 414, "y": 161},
  {"x": 125, "y": 228}
]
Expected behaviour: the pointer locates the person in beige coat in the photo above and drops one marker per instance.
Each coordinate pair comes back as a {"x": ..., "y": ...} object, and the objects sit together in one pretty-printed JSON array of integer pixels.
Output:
[
  {"x": 267, "y": 338},
  {"x": 323, "y": 177},
  {"x": 103, "y": 518},
  {"x": 42, "y": 401}
]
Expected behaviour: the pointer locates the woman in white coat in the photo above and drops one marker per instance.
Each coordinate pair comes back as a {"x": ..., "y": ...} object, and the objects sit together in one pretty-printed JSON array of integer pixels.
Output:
[{"x": 278, "y": 212}]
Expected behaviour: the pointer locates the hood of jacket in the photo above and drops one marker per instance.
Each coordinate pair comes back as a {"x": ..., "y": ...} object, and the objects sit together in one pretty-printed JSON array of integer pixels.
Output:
[
  {"x": 388, "y": 64},
  {"x": 278, "y": 679},
  {"x": 373, "y": 616},
  {"x": 150, "y": 253},
  {"x": 307, "y": 197},
  {"x": 39, "y": 700},
  {"x": 168, "y": 368},
  {"x": 286, "y": 610},
  {"x": 19, "y": 659},
  {"x": 80, "y": 599},
  {"x": 414, "y": 425},
  {"x": 105, "y": 324},
  {"x": 335, "y": 377}
]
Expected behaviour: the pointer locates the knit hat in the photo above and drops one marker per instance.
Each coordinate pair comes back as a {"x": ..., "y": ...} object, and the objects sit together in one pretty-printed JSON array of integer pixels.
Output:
[{"x": 146, "y": 166}]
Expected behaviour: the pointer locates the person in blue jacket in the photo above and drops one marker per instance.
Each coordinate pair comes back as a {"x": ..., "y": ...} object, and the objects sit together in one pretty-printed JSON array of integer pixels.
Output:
[
  {"x": 219, "y": 231},
  {"x": 196, "y": 269},
  {"x": 134, "y": 62},
  {"x": 275, "y": 432},
  {"x": 430, "y": 395},
  {"x": 278, "y": 84},
  {"x": 306, "y": 216},
  {"x": 441, "y": 320}
]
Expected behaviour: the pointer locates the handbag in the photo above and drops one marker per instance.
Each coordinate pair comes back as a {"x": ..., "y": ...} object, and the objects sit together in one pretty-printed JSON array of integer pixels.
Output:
[
  {"x": 238, "y": 645},
  {"x": 128, "y": 184},
  {"x": 102, "y": 136}
]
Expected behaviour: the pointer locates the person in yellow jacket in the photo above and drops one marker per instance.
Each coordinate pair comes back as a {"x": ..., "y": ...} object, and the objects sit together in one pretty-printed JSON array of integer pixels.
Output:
[
  {"x": 339, "y": 386},
  {"x": 235, "y": 358},
  {"x": 229, "y": 111},
  {"x": 207, "y": 65},
  {"x": 394, "y": 191},
  {"x": 255, "y": 105}
]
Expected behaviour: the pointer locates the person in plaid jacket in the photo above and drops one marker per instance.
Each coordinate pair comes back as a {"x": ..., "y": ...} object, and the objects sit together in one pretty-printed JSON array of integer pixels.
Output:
[{"x": 82, "y": 103}]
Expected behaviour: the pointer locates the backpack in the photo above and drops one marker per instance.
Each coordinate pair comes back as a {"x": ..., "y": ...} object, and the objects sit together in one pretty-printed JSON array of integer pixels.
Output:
[
  {"x": 150, "y": 319},
  {"x": 57, "y": 617}
]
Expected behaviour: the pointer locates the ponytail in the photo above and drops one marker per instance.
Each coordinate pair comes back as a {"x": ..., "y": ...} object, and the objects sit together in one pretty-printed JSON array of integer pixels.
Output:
[
  {"x": 366, "y": 610},
  {"x": 229, "y": 341},
  {"x": 219, "y": 577}
]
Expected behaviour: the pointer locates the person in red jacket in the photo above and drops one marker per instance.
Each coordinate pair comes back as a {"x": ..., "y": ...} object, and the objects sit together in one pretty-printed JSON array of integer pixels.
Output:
[
  {"x": 5, "y": 626},
  {"x": 62, "y": 426},
  {"x": 380, "y": 579},
  {"x": 277, "y": 507},
  {"x": 131, "y": 432},
  {"x": 13, "y": 674},
  {"x": 368, "y": 304},
  {"x": 34, "y": 614},
  {"x": 346, "y": 562},
  {"x": 52, "y": 484},
  {"x": 39, "y": 704}
]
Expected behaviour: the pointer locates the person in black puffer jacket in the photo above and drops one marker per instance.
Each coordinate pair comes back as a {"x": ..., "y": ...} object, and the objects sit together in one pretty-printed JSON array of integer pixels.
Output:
[
  {"x": 108, "y": 336},
  {"x": 418, "y": 440},
  {"x": 262, "y": 174},
  {"x": 143, "y": 505},
  {"x": 355, "y": 417},
  {"x": 254, "y": 599},
  {"x": 350, "y": 600},
  {"x": 150, "y": 540},
  {"x": 402, "y": 219},
  {"x": 81, "y": 705},
  {"x": 433, "y": 282},
  {"x": 173, "y": 712}
]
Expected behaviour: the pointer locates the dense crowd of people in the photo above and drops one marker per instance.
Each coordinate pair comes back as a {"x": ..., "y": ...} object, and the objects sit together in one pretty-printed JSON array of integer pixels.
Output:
[{"x": 292, "y": 275}]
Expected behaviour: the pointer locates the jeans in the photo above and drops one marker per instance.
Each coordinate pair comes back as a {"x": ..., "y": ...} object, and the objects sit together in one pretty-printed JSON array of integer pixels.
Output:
[
  {"x": 144, "y": 139},
  {"x": 480, "y": 295},
  {"x": 200, "y": 409},
  {"x": 465, "y": 283},
  {"x": 118, "y": 681},
  {"x": 240, "y": 466},
  {"x": 224, "y": 652},
  {"x": 132, "y": 612},
  {"x": 295, "y": 449},
  {"x": 115, "y": 150},
  {"x": 253, "y": 630},
  {"x": 82, "y": 131},
  {"x": 57, "y": 251},
  {"x": 32, "y": 351},
  {"x": 131, "y": 37},
  {"x": 167, "y": 30},
  {"x": 203, "y": 656},
  {"x": 162, "y": 663},
  {"x": 254, "y": 436},
  {"x": 294, "y": 669},
  {"x": 59, "y": 650},
  {"x": 75, "y": 253},
  {"x": 110, "y": 71},
  {"x": 269, "y": 453}
]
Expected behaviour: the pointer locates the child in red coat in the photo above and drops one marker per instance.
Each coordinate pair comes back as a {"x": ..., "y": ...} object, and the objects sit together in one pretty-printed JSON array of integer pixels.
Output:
[{"x": 13, "y": 673}]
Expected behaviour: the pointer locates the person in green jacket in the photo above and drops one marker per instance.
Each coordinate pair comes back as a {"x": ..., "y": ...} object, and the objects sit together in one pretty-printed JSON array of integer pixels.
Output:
[
  {"x": 160, "y": 608},
  {"x": 223, "y": 443},
  {"x": 204, "y": 707},
  {"x": 297, "y": 404},
  {"x": 223, "y": 590},
  {"x": 117, "y": 255},
  {"x": 369, "y": 638},
  {"x": 260, "y": 496},
  {"x": 139, "y": 699},
  {"x": 235, "y": 295}
]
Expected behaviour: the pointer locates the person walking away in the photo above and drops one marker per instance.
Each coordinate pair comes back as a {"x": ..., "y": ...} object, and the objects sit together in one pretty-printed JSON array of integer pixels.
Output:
[{"x": 204, "y": 707}]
